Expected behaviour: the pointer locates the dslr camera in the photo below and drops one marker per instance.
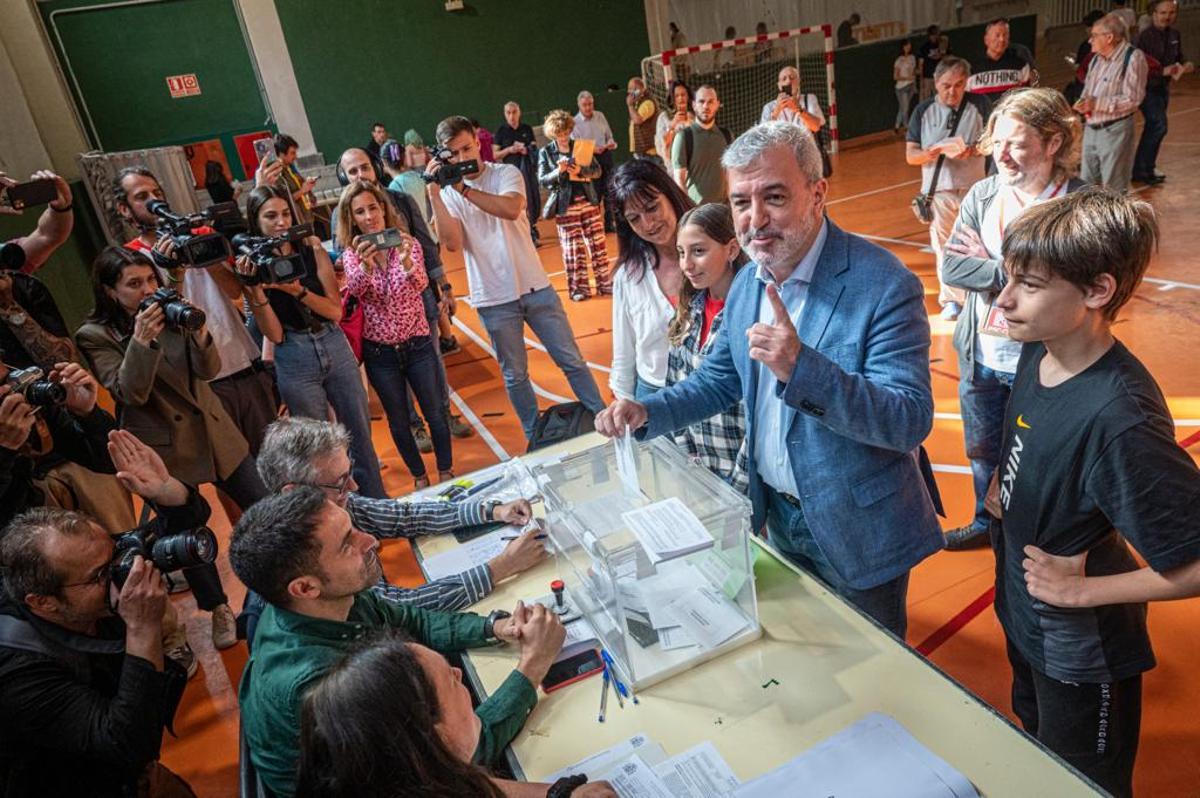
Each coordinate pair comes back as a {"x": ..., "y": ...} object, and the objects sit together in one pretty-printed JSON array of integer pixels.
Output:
[
  {"x": 447, "y": 173},
  {"x": 168, "y": 552},
  {"x": 179, "y": 314},
  {"x": 33, "y": 385},
  {"x": 194, "y": 250},
  {"x": 269, "y": 266}
]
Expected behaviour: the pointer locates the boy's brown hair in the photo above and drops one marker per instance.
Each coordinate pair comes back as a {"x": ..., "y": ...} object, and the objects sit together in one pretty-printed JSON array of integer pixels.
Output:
[{"x": 1083, "y": 235}]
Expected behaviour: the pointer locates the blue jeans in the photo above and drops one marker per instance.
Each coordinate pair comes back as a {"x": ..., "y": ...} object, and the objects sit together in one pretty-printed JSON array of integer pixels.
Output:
[
  {"x": 392, "y": 370},
  {"x": 982, "y": 401},
  {"x": 443, "y": 380},
  {"x": 789, "y": 533},
  {"x": 1154, "y": 111},
  {"x": 903, "y": 102},
  {"x": 543, "y": 312},
  {"x": 316, "y": 371}
]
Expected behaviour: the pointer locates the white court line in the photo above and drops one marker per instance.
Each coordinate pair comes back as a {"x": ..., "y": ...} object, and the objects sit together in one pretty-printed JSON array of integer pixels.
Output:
[
  {"x": 480, "y": 427},
  {"x": 951, "y": 469},
  {"x": 1167, "y": 285},
  {"x": 873, "y": 191},
  {"x": 485, "y": 346},
  {"x": 538, "y": 346}
]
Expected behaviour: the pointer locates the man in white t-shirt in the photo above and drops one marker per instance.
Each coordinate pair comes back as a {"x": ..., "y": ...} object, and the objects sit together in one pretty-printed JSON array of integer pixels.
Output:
[
  {"x": 792, "y": 105},
  {"x": 484, "y": 216}
]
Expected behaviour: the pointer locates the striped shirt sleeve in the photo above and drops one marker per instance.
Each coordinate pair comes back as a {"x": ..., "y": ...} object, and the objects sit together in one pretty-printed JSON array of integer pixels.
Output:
[
  {"x": 449, "y": 594},
  {"x": 392, "y": 518}
]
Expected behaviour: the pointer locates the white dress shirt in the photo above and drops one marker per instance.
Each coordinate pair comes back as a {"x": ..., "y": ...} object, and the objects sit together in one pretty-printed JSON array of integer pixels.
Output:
[{"x": 641, "y": 314}]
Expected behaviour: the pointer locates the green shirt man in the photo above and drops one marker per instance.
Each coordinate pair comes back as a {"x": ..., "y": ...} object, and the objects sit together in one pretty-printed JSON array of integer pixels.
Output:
[{"x": 697, "y": 150}]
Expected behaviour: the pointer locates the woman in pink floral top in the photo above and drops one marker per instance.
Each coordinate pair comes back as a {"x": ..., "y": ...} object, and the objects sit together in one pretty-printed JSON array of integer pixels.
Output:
[{"x": 397, "y": 347}]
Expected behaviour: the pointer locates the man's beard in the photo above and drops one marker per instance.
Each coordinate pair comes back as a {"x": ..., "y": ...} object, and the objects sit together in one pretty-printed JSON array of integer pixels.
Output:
[{"x": 372, "y": 568}]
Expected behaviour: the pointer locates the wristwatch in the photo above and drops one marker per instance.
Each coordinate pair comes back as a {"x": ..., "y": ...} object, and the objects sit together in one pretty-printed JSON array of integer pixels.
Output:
[
  {"x": 490, "y": 628},
  {"x": 489, "y": 510}
]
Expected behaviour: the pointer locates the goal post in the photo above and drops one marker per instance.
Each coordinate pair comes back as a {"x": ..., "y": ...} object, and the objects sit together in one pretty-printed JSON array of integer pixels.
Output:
[{"x": 744, "y": 72}]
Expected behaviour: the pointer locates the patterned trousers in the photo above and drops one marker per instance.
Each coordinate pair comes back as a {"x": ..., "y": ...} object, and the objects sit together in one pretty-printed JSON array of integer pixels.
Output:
[{"x": 581, "y": 236}]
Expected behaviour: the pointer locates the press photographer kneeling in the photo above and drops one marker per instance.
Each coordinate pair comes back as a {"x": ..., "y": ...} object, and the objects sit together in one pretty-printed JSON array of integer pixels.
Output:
[{"x": 83, "y": 679}]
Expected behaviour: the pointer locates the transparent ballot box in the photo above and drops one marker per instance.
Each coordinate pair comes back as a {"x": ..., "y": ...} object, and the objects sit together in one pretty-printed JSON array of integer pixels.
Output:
[{"x": 658, "y": 564}]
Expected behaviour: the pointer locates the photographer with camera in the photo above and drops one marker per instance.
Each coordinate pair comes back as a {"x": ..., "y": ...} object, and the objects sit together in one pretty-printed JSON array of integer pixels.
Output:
[
  {"x": 83, "y": 677},
  {"x": 28, "y": 253},
  {"x": 153, "y": 353},
  {"x": 316, "y": 368},
  {"x": 243, "y": 383},
  {"x": 480, "y": 210}
]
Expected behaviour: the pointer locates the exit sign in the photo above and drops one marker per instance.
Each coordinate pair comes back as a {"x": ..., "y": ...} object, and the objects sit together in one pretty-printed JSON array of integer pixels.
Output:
[{"x": 183, "y": 86}]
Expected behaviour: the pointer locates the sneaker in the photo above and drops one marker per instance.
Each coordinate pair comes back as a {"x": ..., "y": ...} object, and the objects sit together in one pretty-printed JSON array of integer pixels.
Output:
[
  {"x": 224, "y": 627},
  {"x": 421, "y": 436},
  {"x": 578, "y": 296},
  {"x": 950, "y": 311},
  {"x": 966, "y": 537},
  {"x": 177, "y": 582},
  {"x": 176, "y": 648},
  {"x": 459, "y": 428},
  {"x": 449, "y": 345}
]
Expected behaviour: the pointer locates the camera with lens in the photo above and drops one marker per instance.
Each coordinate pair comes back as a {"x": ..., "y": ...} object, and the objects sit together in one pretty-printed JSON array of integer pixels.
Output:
[
  {"x": 168, "y": 552},
  {"x": 33, "y": 385},
  {"x": 179, "y": 314},
  {"x": 269, "y": 266},
  {"x": 447, "y": 174},
  {"x": 194, "y": 250}
]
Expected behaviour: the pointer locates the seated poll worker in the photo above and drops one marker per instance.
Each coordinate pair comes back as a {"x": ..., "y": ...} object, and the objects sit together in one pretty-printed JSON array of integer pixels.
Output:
[
  {"x": 306, "y": 451},
  {"x": 345, "y": 715},
  {"x": 826, "y": 338},
  {"x": 85, "y": 689},
  {"x": 302, "y": 553}
]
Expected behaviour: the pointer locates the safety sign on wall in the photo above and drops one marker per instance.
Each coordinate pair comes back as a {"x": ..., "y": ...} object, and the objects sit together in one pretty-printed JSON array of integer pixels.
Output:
[{"x": 183, "y": 86}]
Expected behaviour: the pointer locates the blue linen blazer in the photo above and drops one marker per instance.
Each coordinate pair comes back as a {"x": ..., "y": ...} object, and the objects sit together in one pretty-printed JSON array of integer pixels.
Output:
[{"x": 864, "y": 405}]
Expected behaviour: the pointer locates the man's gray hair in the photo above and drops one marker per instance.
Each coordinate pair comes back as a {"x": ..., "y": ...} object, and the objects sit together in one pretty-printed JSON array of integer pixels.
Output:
[
  {"x": 512, "y": 104},
  {"x": 1112, "y": 23},
  {"x": 291, "y": 445},
  {"x": 584, "y": 95},
  {"x": 951, "y": 63},
  {"x": 751, "y": 145}
]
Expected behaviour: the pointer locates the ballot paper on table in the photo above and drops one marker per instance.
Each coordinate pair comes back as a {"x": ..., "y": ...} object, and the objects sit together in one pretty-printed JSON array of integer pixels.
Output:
[
  {"x": 667, "y": 529},
  {"x": 699, "y": 772},
  {"x": 603, "y": 761},
  {"x": 627, "y": 462},
  {"x": 707, "y": 616},
  {"x": 632, "y": 777},
  {"x": 468, "y": 555},
  {"x": 874, "y": 758}
]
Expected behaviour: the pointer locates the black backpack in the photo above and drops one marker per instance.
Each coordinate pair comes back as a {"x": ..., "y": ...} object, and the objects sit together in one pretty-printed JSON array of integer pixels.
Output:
[{"x": 559, "y": 423}]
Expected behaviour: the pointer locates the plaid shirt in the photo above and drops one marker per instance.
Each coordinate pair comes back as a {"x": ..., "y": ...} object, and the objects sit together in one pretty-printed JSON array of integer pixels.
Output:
[
  {"x": 391, "y": 518},
  {"x": 719, "y": 442}
]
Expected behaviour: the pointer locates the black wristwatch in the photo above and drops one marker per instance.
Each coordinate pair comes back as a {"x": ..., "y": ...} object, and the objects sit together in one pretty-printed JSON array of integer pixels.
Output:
[
  {"x": 490, "y": 627},
  {"x": 489, "y": 510},
  {"x": 566, "y": 785}
]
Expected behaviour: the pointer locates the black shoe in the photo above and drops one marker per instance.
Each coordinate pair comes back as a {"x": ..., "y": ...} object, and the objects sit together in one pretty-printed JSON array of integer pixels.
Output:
[
  {"x": 1149, "y": 180},
  {"x": 967, "y": 537}
]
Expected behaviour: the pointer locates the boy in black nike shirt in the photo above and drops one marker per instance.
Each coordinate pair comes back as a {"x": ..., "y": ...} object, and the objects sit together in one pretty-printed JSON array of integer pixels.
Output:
[{"x": 1089, "y": 449}]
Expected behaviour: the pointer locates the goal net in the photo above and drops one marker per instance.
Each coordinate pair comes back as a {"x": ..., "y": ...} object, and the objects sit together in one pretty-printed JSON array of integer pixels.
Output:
[{"x": 744, "y": 71}]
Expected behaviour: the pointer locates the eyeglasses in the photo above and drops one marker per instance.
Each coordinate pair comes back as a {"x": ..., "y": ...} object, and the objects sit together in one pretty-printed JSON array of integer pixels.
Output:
[
  {"x": 102, "y": 577},
  {"x": 342, "y": 486}
]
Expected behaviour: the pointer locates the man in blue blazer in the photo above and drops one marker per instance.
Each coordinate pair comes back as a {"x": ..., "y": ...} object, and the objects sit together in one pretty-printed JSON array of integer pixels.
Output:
[{"x": 826, "y": 339}]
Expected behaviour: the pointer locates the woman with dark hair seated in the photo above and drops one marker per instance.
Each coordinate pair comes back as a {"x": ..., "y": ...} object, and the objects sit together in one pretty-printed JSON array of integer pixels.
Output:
[
  {"x": 414, "y": 739},
  {"x": 157, "y": 371},
  {"x": 648, "y": 206},
  {"x": 315, "y": 368}
]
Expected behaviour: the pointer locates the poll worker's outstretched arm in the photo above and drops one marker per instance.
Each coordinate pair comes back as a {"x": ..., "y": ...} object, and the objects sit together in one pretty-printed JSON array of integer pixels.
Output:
[{"x": 889, "y": 404}]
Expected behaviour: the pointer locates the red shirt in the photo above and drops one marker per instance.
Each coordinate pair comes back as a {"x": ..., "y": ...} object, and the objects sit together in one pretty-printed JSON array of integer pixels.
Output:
[{"x": 711, "y": 308}]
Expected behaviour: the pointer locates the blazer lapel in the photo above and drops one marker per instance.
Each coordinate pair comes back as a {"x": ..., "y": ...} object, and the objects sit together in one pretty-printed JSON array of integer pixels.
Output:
[{"x": 825, "y": 288}]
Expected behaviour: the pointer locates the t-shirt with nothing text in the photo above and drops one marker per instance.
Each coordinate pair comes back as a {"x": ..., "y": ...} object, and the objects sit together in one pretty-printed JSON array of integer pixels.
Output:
[
  {"x": 502, "y": 263},
  {"x": 1080, "y": 461},
  {"x": 990, "y": 79},
  {"x": 705, "y": 175}
]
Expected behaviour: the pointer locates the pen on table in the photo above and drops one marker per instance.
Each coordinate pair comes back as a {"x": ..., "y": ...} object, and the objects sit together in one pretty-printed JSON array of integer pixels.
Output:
[
  {"x": 471, "y": 491},
  {"x": 617, "y": 683},
  {"x": 603, "y": 696},
  {"x": 514, "y": 537}
]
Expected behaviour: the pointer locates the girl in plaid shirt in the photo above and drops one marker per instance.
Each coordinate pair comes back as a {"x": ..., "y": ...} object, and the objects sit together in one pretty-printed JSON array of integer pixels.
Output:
[{"x": 709, "y": 256}]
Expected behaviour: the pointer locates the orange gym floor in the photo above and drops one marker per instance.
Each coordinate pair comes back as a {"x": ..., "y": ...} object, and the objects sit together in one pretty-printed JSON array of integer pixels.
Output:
[{"x": 949, "y": 603}]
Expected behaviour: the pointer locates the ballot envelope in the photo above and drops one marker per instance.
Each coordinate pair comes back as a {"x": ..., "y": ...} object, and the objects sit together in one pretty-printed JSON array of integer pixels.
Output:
[{"x": 657, "y": 561}]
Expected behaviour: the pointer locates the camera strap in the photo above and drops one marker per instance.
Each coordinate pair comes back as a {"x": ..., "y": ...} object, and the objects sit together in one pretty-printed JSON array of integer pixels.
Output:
[{"x": 956, "y": 115}]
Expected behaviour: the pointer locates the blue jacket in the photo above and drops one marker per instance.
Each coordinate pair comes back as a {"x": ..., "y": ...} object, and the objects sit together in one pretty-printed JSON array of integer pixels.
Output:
[{"x": 861, "y": 389}]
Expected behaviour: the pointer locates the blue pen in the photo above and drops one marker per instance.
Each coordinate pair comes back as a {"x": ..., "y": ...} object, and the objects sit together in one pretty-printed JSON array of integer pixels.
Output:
[
  {"x": 617, "y": 683},
  {"x": 603, "y": 696},
  {"x": 471, "y": 491},
  {"x": 543, "y": 536}
]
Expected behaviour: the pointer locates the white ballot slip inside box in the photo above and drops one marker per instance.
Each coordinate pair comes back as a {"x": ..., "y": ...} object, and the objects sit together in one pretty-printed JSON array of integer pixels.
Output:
[
  {"x": 603, "y": 761},
  {"x": 707, "y": 616},
  {"x": 627, "y": 462},
  {"x": 468, "y": 555},
  {"x": 699, "y": 772},
  {"x": 668, "y": 529},
  {"x": 874, "y": 758}
]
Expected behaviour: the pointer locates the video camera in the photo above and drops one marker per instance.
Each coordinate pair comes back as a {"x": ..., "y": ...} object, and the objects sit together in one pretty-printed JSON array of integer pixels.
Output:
[
  {"x": 269, "y": 266},
  {"x": 448, "y": 173},
  {"x": 194, "y": 250},
  {"x": 178, "y": 312},
  {"x": 168, "y": 553},
  {"x": 33, "y": 385}
]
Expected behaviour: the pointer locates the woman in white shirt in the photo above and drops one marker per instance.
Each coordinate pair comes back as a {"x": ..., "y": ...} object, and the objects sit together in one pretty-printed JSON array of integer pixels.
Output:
[
  {"x": 648, "y": 206},
  {"x": 672, "y": 120},
  {"x": 904, "y": 72}
]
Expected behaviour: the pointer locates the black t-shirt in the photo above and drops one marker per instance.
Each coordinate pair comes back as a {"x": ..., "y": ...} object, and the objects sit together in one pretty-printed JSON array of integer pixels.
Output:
[
  {"x": 507, "y": 135},
  {"x": 993, "y": 78},
  {"x": 35, "y": 299},
  {"x": 293, "y": 314},
  {"x": 1080, "y": 461},
  {"x": 930, "y": 53}
]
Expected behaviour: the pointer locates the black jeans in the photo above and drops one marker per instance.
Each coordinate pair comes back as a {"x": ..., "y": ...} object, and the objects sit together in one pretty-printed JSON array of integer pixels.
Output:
[
  {"x": 1154, "y": 111},
  {"x": 1094, "y": 727},
  {"x": 605, "y": 159},
  {"x": 415, "y": 363}
]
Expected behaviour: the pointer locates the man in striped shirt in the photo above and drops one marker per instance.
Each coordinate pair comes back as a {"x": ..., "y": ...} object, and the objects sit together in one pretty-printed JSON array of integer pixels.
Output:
[
  {"x": 305, "y": 451},
  {"x": 1114, "y": 88}
]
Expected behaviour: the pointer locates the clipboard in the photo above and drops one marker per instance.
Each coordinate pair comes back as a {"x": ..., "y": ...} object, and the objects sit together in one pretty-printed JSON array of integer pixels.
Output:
[{"x": 582, "y": 153}]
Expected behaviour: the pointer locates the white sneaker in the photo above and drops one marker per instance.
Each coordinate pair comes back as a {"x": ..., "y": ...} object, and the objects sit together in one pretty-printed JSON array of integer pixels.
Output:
[
  {"x": 224, "y": 627},
  {"x": 950, "y": 311}
]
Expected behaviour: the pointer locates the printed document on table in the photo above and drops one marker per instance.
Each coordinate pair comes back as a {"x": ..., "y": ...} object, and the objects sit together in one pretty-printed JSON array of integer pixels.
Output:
[
  {"x": 633, "y": 778},
  {"x": 668, "y": 529},
  {"x": 699, "y": 772},
  {"x": 603, "y": 761},
  {"x": 627, "y": 462},
  {"x": 707, "y": 616},
  {"x": 874, "y": 758},
  {"x": 468, "y": 555}
]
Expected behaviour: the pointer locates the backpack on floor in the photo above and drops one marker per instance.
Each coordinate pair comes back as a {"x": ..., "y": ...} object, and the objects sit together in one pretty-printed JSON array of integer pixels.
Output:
[{"x": 560, "y": 423}]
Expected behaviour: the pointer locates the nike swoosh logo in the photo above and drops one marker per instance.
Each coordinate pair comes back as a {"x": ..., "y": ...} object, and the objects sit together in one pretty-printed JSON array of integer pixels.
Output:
[{"x": 1021, "y": 422}]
